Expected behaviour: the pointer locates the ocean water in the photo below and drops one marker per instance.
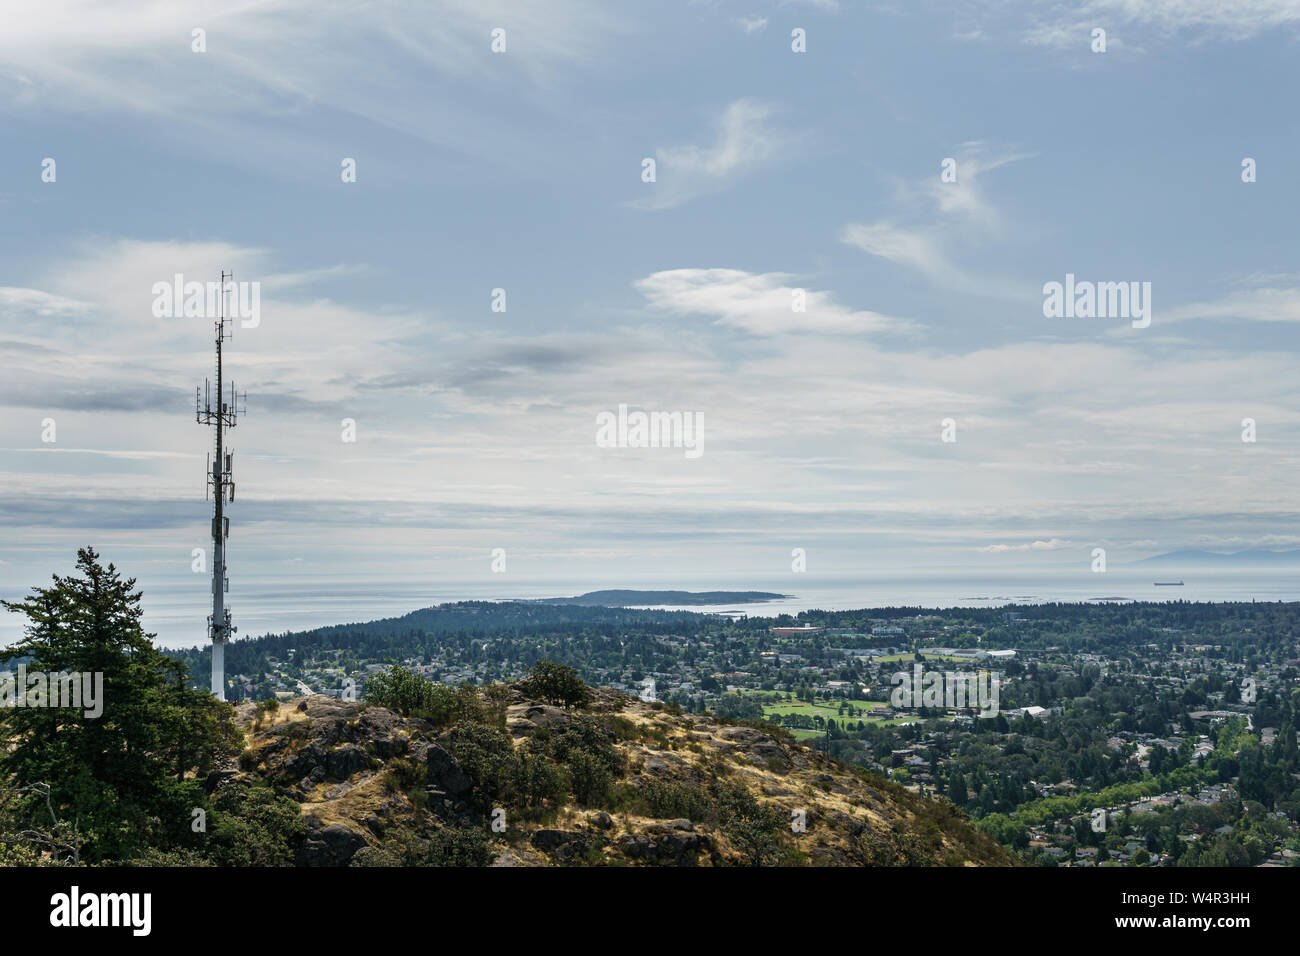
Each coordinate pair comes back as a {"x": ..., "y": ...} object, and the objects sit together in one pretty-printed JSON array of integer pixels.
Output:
[
  {"x": 983, "y": 590},
  {"x": 176, "y": 609}
]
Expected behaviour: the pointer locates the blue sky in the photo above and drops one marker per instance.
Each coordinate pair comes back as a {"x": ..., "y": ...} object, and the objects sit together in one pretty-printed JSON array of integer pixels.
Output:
[{"x": 776, "y": 171}]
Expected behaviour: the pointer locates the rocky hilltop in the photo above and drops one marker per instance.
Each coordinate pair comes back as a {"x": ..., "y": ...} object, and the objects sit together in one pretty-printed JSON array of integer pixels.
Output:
[{"x": 511, "y": 780}]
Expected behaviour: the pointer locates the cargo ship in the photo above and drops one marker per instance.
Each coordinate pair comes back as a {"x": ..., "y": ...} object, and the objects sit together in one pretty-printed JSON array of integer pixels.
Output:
[{"x": 1168, "y": 584}]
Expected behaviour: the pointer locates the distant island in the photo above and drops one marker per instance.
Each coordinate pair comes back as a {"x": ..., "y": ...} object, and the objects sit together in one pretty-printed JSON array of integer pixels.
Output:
[
  {"x": 627, "y": 598},
  {"x": 1255, "y": 558}
]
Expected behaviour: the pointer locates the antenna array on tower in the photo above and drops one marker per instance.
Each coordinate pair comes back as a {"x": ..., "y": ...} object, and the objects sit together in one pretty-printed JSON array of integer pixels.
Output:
[{"x": 221, "y": 409}]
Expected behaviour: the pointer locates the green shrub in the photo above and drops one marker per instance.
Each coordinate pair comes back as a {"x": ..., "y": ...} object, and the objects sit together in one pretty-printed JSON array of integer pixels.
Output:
[
  {"x": 487, "y": 756},
  {"x": 586, "y": 749},
  {"x": 754, "y": 828},
  {"x": 383, "y": 855},
  {"x": 623, "y": 729},
  {"x": 557, "y": 684},
  {"x": 403, "y": 776},
  {"x": 402, "y": 690},
  {"x": 670, "y": 801},
  {"x": 538, "y": 781},
  {"x": 591, "y": 777},
  {"x": 253, "y": 826},
  {"x": 454, "y": 846}
]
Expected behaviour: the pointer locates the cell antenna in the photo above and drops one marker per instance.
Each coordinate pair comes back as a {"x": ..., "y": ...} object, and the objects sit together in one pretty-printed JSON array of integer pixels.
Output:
[{"x": 222, "y": 410}]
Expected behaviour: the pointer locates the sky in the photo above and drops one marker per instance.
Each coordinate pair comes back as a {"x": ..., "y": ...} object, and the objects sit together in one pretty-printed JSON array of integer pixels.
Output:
[{"x": 517, "y": 177}]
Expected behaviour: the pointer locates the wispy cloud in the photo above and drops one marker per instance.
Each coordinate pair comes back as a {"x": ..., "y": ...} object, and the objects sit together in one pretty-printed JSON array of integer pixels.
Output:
[
  {"x": 937, "y": 216},
  {"x": 37, "y": 302},
  {"x": 1054, "y": 544},
  {"x": 300, "y": 335},
  {"x": 761, "y": 304},
  {"x": 1070, "y": 24},
  {"x": 915, "y": 248},
  {"x": 966, "y": 199},
  {"x": 1258, "y": 303},
  {"x": 745, "y": 140},
  {"x": 421, "y": 70}
]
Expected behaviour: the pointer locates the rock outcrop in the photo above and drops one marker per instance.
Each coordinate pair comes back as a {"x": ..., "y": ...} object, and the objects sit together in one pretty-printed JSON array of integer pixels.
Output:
[{"x": 376, "y": 788}]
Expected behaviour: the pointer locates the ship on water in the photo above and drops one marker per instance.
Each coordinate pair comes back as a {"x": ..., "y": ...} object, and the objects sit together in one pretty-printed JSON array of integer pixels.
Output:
[{"x": 1168, "y": 584}]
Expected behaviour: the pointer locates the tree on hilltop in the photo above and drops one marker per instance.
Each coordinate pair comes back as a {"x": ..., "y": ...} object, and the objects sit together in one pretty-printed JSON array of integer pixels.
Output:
[
  {"x": 557, "y": 684},
  {"x": 122, "y": 763}
]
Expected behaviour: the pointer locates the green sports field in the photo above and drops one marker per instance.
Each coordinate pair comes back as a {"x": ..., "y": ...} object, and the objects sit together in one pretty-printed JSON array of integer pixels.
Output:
[{"x": 827, "y": 710}]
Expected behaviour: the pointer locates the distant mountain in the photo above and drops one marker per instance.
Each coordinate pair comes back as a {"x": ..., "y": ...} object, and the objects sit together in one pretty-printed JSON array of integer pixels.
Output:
[
  {"x": 627, "y": 598},
  {"x": 1205, "y": 559}
]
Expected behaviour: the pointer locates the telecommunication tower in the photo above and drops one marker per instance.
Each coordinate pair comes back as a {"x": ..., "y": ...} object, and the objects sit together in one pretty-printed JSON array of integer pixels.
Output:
[{"x": 222, "y": 410}]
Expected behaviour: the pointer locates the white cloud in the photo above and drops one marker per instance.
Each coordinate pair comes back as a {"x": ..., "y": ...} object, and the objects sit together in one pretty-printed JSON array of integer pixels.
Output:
[
  {"x": 299, "y": 337},
  {"x": 1260, "y": 304},
  {"x": 745, "y": 140},
  {"x": 761, "y": 304},
  {"x": 36, "y": 302},
  {"x": 1064, "y": 25},
  {"x": 1055, "y": 544},
  {"x": 422, "y": 69},
  {"x": 1236, "y": 18},
  {"x": 914, "y": 248},
  {"x": 952, "y": 213},
  {"x": 834, "y": 435},
  {"x": 752, "y": 24},
  {"x": 965, "y": 198}
]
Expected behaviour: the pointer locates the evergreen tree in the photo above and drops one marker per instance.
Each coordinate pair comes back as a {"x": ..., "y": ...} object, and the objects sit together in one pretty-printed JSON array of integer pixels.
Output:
[
  {"x": 119, "y": 775},
  {"x": 957, "y": 788}
]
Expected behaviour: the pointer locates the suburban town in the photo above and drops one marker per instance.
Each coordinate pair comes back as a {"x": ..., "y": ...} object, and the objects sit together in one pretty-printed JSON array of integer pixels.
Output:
[{"x": 1135, "y": 735}]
